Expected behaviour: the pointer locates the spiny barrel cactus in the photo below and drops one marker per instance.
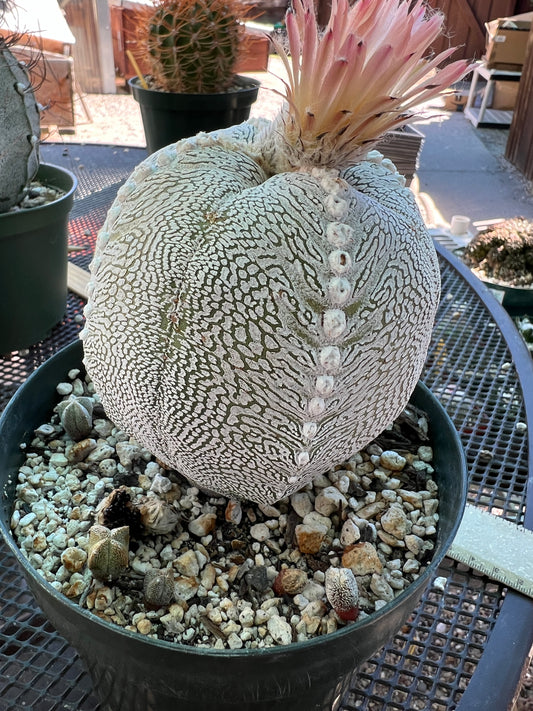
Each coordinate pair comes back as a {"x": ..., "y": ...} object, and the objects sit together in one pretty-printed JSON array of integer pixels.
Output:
[
  {"x": 19, "y": 130},
  {"x": 263, "y": 296},
  {"x": 192, "y": 45}
]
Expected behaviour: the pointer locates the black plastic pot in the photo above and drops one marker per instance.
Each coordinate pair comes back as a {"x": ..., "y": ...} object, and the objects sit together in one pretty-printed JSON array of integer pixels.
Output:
[
  {"x": 516, "y": 300},
  {"x": 135, "y": 673},
  {"x": 33, "y": 264},
  {"x": 169, "y": 117}
]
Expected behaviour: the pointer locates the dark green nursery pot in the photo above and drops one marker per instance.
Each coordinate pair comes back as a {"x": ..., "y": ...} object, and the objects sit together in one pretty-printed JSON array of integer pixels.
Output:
[
  {"x": 168, "y": 117},
  {"x": 33, "y": 264},
  {"x": 134, "y": 673}
]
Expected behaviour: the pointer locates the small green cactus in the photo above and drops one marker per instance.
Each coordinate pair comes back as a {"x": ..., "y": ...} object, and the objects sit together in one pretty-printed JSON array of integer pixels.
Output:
[
  {"x": 192, "y": 45},
  {"x": 19, "y": 129}
]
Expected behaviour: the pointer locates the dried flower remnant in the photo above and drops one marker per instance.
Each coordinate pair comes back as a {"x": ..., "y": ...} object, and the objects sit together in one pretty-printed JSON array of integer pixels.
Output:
[
  {"x": 108, "y": 554},
  {"x": 342, "y": 592},
  {"x": 157, "y": 516},
  {"x": 116, "y": 510}
]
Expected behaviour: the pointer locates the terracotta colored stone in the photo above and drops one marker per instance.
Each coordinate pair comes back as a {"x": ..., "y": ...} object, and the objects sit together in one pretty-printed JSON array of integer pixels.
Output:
[
  {"x": 362, "y": 559},
  {"x": 309, "y": 538}
]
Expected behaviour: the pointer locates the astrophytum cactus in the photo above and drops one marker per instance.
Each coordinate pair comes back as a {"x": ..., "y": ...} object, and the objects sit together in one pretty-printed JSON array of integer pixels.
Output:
[
  {"x": 19, "y": 130},
  {"x": 263, "y": 296}
]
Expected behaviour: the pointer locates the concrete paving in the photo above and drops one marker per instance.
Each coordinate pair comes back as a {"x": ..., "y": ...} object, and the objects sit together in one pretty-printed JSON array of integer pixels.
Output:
[{"x": 464, "y": 171}]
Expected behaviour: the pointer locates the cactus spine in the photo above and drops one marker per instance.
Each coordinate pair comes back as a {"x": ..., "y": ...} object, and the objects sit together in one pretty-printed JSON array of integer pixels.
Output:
[
  {"x": 263, "y": 296},
  {"x": 19, "y": 130},
  {"x": 192, "y": 45}
]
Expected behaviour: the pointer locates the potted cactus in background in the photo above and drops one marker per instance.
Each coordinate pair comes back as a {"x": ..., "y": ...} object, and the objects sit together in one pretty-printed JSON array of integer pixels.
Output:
[
  {"x": 33, "y": 216},
  {"x": 501, "y": 255},
  {"x": 191, "y": 47},
  {"x": 262, "y": 300}
]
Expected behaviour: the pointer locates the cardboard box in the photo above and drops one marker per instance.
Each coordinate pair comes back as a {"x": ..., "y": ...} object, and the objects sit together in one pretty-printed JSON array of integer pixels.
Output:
[
  {"x": 455, "y": 101},
  {"x": 504, "y": 96},
  {"x": 507, "y": 41}
]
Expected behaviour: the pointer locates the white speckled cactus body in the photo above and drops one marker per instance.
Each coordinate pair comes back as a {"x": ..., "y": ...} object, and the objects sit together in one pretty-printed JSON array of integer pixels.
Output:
[
  {"x": 19, "y": 130},
  {"x": 260, "y": 309}
]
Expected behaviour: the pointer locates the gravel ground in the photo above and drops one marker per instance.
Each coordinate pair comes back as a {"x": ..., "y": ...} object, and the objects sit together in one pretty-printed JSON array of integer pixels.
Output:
[{"x": 115, "y": 119}]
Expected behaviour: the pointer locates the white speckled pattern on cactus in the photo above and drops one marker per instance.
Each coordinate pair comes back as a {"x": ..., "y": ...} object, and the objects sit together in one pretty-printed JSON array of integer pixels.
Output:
[{"x": 254, "y": 331}]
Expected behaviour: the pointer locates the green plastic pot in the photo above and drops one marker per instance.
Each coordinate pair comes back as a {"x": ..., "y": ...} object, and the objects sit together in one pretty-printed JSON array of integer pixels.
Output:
[
  {"x": 169, "y": 117},
  {"x": 131, "y": 672},
  {"x": 33, "y": 264}
]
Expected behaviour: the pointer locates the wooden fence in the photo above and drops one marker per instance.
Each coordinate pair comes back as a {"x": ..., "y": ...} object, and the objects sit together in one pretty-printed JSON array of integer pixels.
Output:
[
  {"x": 465, "y": 23},
  {"x": 519, "y": 149}
]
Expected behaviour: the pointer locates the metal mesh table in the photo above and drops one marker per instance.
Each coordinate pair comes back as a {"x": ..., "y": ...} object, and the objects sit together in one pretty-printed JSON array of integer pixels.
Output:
[{"x": 464, "y": 648}]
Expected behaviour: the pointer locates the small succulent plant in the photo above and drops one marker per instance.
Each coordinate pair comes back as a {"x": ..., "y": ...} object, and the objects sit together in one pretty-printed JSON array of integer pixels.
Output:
[
  {"x": 504, "y": 252},
  {"x": 19, "y": 129},
  {"x": 192, "y": 45},
  {"x": 262, "y": 297},
  {"x": 342, "y": 592},
  {"x": 76, "y": 416},
  {"x": 158, "y": 587},
  {"x": 157, "y": 516},
  {"x": 108, "y": 552}
]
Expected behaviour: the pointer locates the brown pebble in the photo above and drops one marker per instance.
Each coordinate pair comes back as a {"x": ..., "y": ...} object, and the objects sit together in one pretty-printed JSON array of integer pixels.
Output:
[
  {"x": 362, "y": 559},
  {"x": 203, "y": 525},
  {"x": 290, "y": 581},
  {"x": 309, "y": 538},
  {"x": 233, "y": 512}
]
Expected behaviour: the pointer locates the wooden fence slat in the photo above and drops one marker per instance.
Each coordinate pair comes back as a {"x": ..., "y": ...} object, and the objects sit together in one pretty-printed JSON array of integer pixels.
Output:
[
  {"x": 465, "y": 24},
  {"x": 471, "y": 20},
  {"x": 519, "y": 149}
]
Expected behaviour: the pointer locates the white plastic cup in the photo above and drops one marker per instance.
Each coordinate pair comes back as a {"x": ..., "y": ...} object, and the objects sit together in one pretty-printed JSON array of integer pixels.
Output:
[{"x": 459, "y": 225}]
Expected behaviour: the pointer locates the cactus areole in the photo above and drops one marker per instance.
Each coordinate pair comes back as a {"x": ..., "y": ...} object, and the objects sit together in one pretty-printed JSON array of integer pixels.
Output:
[{"x": 262, "y": 297}]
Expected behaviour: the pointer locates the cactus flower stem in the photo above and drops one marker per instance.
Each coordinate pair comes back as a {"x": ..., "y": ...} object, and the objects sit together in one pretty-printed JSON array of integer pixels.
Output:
[{"x": 262, "y": 297}]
